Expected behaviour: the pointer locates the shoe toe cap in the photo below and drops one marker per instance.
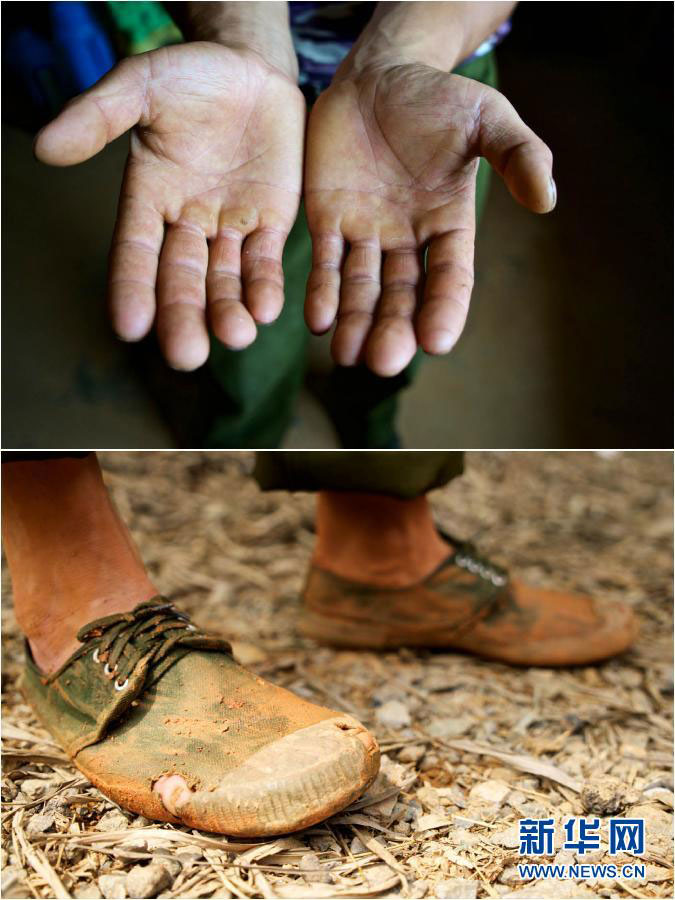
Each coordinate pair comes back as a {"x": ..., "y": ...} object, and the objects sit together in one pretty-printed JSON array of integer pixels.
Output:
[{"x": 292, "y": 783}]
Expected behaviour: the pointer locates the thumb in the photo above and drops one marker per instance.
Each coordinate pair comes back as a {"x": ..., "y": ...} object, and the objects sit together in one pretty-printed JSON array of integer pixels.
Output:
[
  {"x": 516, "y": 153},
  {"x": 92, "y": 120}
]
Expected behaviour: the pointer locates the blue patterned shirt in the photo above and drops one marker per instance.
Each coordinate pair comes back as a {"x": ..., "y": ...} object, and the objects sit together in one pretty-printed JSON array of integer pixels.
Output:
[{"x": 323, "y": 34}]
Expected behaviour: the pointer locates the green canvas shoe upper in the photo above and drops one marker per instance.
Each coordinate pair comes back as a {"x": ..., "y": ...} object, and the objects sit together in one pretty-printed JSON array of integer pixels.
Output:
[
  {"x": 120, "y": 656},
  {"x": 149, "y": 696}
]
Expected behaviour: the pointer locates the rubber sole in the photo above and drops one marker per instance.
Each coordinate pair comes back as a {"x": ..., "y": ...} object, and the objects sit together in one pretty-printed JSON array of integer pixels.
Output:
[{"x": 614, "y": 635}]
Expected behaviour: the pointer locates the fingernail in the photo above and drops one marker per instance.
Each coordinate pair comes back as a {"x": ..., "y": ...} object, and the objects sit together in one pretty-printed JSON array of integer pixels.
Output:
[{"x": 553, "y": 192}]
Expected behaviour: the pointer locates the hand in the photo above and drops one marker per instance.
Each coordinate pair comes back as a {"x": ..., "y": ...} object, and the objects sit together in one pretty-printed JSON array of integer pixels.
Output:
[
  {"x": 391, "y": 169},
  {"x": 216, "y": 156}
]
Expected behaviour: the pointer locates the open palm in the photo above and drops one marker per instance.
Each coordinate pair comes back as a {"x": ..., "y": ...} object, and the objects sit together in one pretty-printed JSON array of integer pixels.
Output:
[
  {"x": 390, "y": 177},
  {"x": 210, "y": 192}
]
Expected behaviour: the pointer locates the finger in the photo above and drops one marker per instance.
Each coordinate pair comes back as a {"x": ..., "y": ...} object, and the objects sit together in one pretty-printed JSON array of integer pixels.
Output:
[
  {"x": 392, "y": 342},
  {"x": 521, "y": 158},
  {"x": 263, "y": 275},
  {"x": 95, "y": 118},
  {"x": 323, "y": 285},
  {"x": 181, "y": 297},
  {"x": 447, "y": 291},
  {"x": 230, "y": 321},
  {"x": 134, "y": 255},
  {"x": 359, "y": 293}
]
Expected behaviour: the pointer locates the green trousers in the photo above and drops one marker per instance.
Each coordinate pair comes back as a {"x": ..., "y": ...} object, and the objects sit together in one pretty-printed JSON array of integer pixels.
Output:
[
  {"x": 253, "y": 391},
  {"x": 404, "y": 474}
]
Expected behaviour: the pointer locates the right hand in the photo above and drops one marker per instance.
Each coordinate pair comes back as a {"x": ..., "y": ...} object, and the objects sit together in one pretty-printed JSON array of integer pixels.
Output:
[{"x": 216, "y": 157}]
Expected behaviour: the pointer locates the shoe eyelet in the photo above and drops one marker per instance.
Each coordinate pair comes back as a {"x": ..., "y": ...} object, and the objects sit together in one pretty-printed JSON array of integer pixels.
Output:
[
  {"x": 108, "y": 672},
  {"x": 472, "y": 567},
  {"x": 460, "y": 561},
  {"x": 122, "y": 686},
  {"x": 94, "y": 656},
  {"x": 498, "y": 580}
]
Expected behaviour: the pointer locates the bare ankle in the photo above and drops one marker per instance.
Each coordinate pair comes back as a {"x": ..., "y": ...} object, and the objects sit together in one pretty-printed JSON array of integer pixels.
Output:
[
  {"x": 377, "y": 539},
  {"x": 70, "y": 556}
]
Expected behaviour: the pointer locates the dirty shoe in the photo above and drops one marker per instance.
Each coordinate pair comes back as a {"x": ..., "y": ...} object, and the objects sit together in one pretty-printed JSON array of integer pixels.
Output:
[
  {"x": 159, "y": 716},
  {"x": 468, "y": 604}
]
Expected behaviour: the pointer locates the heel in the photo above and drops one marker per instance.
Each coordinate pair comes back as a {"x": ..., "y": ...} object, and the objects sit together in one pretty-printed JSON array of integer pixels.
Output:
[{"x": 342, "y": 632}]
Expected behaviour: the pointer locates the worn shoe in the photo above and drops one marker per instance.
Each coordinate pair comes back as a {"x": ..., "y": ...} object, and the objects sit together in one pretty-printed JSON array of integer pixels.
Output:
[
  {"x": 159, "y": 716},
  {"x": 467, "y": 604}
]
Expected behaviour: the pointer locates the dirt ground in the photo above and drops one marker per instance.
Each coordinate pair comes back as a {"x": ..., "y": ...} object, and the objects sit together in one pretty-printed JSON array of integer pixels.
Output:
[{"x": 469, "y": 747}]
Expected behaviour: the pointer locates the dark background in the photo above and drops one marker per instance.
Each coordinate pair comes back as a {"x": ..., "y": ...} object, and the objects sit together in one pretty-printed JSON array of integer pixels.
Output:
[
  {"x": 596, "y": 80},
  {"x": 569, "y": 341}
]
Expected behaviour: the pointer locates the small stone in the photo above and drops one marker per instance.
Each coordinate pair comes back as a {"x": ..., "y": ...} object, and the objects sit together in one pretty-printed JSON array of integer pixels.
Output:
[
  {"x": 450, "y": 727},
  {"x": 412, "y": 753},
  {"x": 430, "y": 761},
  {"x": 357, "y": 846},
  {"x": 378, "y": 874},
  {"x": 428, "y": 797},
  {"x": 430, "y": 821},
  {"x": 310, "y": 861},
  {"x": 39, "y": 823},
  {"x": 168, "y": 859},
  {"x": 607, "y": 796},
  {"x": 452, "y": 796},
  {"x": 247, "y": 654},
  {"x": 113, "y": 887},
  {"x": 9, "y": 790},
  {"x": 88, "y": 891},
  {"x": 509, "y": 837},
  {"x": 662, "y": 795},
  {"x": 112, "y": 821},
  {"x": 491, "y": 791},
  {"x": 141, "y": 822},
  {"x": 510, "y": 875},
  {"x": 34, "y": 787},
  {"x": 530, "y": 784},
  {"x": 135, "y": 843},
  {"x": 60, "y": 803},
  {"x": 418, "y": 889},
  {"x": 147, "y": 881},
  {"x": 658, "y": 828},
  {"x": 462, "y": 838},
  {"x": 412, "y": 812},
  {"x": 323, "y": 842},
  {"x": 459, "y": 888},
  {"x": 393, "y": 714}
]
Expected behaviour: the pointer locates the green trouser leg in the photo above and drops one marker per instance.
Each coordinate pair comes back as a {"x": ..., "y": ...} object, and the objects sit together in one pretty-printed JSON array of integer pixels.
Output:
[
  {"x": 256, "y": 388},
  {"x": 404, "y": 474}
]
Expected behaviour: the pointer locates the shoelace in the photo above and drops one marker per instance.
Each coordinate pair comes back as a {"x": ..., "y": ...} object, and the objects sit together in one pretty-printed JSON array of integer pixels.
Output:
[
  {"x": 467, "y": 557},
  {"x": 150, "y": 630}
]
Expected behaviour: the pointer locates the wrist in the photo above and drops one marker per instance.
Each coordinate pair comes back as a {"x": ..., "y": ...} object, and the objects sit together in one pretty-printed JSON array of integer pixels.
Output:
[
  {"x": 275, "y": 54},
  {"x": 260, "y": 28},
  {"x": 397, "y": 35}
]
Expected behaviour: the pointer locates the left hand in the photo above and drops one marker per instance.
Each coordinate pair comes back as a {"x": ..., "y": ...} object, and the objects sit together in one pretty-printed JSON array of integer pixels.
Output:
[{"x": 391, "y": 164}]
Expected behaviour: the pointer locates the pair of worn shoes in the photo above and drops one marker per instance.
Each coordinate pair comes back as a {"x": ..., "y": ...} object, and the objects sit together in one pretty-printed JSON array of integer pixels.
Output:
[{"x": 159, "y": 716}]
